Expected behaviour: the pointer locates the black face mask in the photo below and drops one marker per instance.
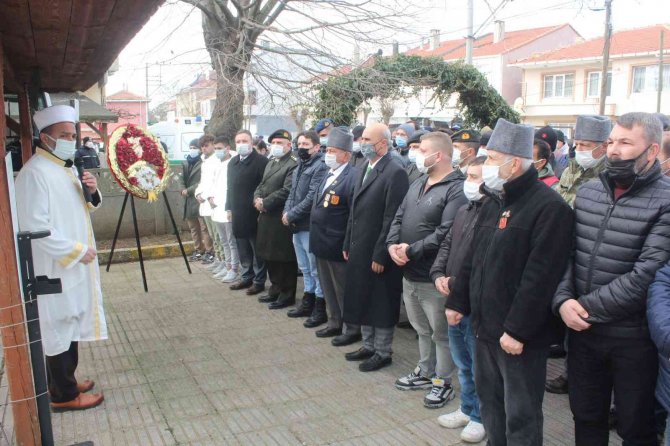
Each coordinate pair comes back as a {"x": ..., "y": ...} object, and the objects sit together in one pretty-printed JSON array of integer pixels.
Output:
[
  {"x": 304, "y": 154},
  {"x": 623, "y": 172}
]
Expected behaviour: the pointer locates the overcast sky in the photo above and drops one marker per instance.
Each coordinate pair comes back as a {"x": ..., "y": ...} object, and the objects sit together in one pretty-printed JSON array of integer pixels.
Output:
[{"x": 172, "y": 43}]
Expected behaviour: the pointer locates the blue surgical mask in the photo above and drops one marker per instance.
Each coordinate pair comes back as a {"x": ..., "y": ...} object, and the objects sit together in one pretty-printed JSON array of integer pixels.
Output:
[
  {"x": 368, "y": 151},
  {"x": 220, "y": 154},
  {"x": 412, "y": 155},
  {"x": 323, "y": 141},
  {"x": 194, "y": 153},
  {"x": 356, "y": 147},
  {"x": 276, "y": 150},
  {"x": 243, "y": 149},
  {"x": 64, "y": 149},
  {"x": 401, "y": 142}
]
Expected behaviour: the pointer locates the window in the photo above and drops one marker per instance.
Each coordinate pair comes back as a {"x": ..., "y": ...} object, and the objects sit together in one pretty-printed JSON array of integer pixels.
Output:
[
  {"x": 593, "y": 90},
  {"x": 558, "y": 85},
  {"x": 645, "y": 79}
]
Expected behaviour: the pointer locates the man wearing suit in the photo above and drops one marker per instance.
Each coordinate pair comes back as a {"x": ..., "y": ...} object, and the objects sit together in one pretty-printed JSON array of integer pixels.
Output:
[
  {"x": 245, "y": 172},
  {"x": 329, "y": 216},
  {"x": 374, "y": 282},
  {"x": 275, "y": 241}
]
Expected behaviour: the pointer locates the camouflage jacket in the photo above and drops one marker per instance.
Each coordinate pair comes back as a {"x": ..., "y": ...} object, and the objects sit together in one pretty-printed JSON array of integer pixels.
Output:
[{"x": 574, "y": 176}]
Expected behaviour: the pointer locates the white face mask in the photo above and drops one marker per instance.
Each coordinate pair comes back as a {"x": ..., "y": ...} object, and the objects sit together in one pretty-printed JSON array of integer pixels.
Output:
[
  {"x": 411, "y": 155},
  {"x": 491, "y": 175},
  {"x": 356, "y": 147},
  {"x": 194, "y": 153},
  {"x": 331, "y": 161},
  {"x": 456, "y": 156},
  {"x": 64, "y": 149},
  {"x": 482, "y": 152},
  {"x": 585, "y": 159},
  {"x": 276, "y": 150},
  {"x": 421, "y": 162},
  {"x": 471, "y": 190}
]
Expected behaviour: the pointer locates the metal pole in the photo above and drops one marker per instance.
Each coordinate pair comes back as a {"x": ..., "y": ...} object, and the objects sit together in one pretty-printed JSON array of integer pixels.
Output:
[
  {"x": 606, "y": 55},
  {"x": 469, "y": 40},
  {"x": 660, "y": 74},
  {"x": 146, "y": 80}
]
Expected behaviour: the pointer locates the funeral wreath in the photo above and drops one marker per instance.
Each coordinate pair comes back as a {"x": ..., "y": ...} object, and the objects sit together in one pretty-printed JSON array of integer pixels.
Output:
[{"x": 137, "y": 162}]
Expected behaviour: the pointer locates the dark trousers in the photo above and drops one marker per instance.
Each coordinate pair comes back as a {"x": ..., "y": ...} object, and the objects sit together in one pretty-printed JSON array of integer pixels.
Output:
[
  {"x": 252, "y": 268},
  {"x": 596, "y": 365},
  {"x": 60, "y": 374},
  {"x": 283, "y": 279},
  {"x": 510, "y": 390}
]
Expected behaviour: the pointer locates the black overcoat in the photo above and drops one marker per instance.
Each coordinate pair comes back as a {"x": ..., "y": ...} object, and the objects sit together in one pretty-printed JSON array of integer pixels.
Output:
[
  {"x": 190, "y": 180},
  {"x": 374, "y": 299},
  {"x": 244, "y": 176}
]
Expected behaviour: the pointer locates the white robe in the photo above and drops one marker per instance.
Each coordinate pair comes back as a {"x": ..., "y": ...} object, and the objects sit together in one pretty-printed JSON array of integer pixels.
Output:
[
  {"x": 49, "y": 197},
  {"x": 207, "y": 172}
]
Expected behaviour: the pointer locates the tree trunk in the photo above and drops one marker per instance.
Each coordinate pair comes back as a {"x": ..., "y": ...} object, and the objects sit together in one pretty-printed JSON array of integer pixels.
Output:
[{"x": 230, "y": 61}]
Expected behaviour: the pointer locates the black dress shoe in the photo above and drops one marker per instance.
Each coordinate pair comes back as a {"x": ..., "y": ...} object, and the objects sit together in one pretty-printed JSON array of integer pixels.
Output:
[
  {"x": 557, "y": 385},
  {"x": 359, "y": 355},
  {"x": 374, "y": 363},
  {"x": 266, "y": 298},
  {"x": 281, "y": 303},
  {"x": 255, "y": 289},
  {"x": 345, "y": 339},
  {"x": 404, "y": 324},
  {"x": 328, "y": 332},
  {"x": 240, "y": 285}
]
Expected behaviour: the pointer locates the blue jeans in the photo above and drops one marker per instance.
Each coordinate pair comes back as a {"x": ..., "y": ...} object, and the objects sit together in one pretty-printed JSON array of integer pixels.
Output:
[
  {"x": 462, "y": 345},
  {"x": 307, "y": 263}
]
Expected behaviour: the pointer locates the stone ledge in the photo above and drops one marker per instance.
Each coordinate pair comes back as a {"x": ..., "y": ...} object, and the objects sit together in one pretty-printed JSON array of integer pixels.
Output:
[{"x": 124, "y": 255}]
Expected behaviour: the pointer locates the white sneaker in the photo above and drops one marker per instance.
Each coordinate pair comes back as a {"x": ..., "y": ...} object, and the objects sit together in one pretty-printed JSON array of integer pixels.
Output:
[
  {"x": 473, "y": 433},
  {"x": 214, "y": 265},
  {"x": 454, "y": 420},
  {"x": 230, "y": 277},
  {"x": 218, "y": 269},
  {"x": 221, "y": 274}
]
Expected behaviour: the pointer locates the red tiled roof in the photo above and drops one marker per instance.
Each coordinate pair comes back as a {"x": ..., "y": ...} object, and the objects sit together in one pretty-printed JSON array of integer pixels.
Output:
[
  {"x": 125, "y": 95},
  {"x": 633, "y": 41},
  {"x": 484, "y": 45}
]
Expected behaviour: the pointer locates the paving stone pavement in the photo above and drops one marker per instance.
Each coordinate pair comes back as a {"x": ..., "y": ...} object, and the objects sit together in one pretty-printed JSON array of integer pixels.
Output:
[{"x": 193, "y": 363}]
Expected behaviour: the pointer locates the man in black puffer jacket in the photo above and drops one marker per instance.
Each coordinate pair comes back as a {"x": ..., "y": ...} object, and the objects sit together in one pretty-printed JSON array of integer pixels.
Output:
[{"x": 622, "y": 239}]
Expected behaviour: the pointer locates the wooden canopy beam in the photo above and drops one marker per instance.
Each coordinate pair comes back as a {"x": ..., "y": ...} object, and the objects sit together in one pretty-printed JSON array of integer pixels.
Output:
[
  {"x": 92, "y": 127},
  {"x": 13, "y": 125}
]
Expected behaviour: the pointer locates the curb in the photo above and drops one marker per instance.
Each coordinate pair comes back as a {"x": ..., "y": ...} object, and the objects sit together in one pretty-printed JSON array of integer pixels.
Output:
[{"x": 154, "y": 252}]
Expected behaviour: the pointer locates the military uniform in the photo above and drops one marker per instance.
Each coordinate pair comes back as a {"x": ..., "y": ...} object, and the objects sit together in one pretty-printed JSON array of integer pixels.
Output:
[
  {"x": 274, "y": 240},
  {"x": 574, "y": 176}
]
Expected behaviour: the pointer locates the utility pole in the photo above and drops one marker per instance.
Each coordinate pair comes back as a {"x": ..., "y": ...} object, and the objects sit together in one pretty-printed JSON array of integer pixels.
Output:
[
  {"x": 660, "y": 74},
  {"x": 146, "y": 80},
  {"x": 606, "y": 55},
  {"x": 470, "y": 38}
]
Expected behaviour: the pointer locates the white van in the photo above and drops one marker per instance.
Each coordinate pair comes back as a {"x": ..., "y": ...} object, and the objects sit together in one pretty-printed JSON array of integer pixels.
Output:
[{"x": 178, "y": 134}]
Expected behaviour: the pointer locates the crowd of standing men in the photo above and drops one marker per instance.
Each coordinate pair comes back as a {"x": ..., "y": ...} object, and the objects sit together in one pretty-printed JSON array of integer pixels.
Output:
[{"x": 501, "y": 245}]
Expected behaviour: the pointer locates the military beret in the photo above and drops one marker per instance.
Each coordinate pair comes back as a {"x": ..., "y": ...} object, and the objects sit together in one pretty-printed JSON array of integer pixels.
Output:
[
  {"x": 466, "y": 135},
  {"x": 323, "y": 124},
  {"x": 281, "y": 133}
]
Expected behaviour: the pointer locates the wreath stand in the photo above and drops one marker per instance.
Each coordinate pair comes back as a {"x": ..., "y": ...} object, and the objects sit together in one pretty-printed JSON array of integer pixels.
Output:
[{"x": 137, "y": 236}]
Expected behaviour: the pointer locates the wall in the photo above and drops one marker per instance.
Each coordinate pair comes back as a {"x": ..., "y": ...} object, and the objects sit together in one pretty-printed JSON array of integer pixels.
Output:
[
  {"x": 540, "y": 110},
  {"x": 152, "y": 218}
]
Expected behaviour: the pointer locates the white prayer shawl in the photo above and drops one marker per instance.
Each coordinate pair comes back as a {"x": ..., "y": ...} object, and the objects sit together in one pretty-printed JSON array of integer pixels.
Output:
[
  {"x": 207, "y": 172},
  {"x": 49, "y": 197},
  {"x": 219, "y": 191}
]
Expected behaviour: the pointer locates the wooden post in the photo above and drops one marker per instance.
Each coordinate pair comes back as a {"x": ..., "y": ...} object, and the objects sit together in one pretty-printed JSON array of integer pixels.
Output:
[
  {"x": 606, "y": 55},
  {"x": 14, "y": 339},
  {"x": 105, "y": 136},
  {"x": 25, "y": 121}
]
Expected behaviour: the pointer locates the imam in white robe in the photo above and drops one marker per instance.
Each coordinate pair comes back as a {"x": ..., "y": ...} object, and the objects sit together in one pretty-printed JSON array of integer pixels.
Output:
[{"x": 49, "y": 197}]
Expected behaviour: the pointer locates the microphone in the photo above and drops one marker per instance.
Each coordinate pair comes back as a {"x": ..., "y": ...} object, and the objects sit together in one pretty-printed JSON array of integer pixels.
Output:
[{"x": 79, "y": 164}]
